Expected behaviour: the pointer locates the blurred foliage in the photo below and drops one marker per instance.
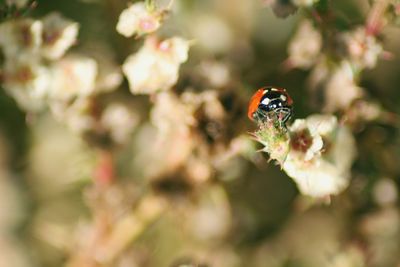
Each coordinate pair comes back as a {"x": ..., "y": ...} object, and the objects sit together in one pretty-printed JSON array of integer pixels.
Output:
[{"x": 249, "y": 213}]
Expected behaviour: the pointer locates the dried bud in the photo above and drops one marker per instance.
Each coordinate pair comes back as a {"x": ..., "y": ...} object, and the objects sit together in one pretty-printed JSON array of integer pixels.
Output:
[{"x": 275, "y": 140}]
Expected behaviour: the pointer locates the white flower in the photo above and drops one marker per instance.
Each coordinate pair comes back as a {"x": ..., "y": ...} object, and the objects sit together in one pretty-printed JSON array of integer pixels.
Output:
[
  {"x": 156, "y": 66},
  {"x": 59, "y": 34},
  {"x": 321, "y": 155},
  {"x": 338, "y": 82},
  {"x": 362, "y": 48},
  {"x": 305, "y": 46},
  {"x": 73, "y": 76},
  {"x": 27, "y": 81},
  {"x": 138, "y": 19},
  {"x": 20, "y": 36},
  {"x": 341, "y": 89},
  {"x": 317, "y": 179},
  {"x": 119, "y": 120},
  {"x": 307, "y": 139},
  {"x": 51, "y": 37}
]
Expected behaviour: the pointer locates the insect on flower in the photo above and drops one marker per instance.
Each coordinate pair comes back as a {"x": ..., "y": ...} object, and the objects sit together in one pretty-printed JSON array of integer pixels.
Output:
[{"x": 270, "y": 104}]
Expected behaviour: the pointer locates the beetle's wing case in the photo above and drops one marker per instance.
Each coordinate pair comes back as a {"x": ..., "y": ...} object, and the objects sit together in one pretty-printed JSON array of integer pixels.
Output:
[{"x": 254, "y": 102}]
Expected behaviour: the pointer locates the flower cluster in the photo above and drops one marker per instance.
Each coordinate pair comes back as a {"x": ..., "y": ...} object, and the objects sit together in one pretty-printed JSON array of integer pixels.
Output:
[
  {"x": 316, "y": 152},
  {"x": 331, "y": 78},
  {"x": 181, "y": 119},
  {"x": 144, "y": 121},
  {"x": 30, "y": 48},
  {"x": 334, "y": 71},
  {"x": 191, "y": 136},
  {"x": 155, "y": 66},
  {"x": 38, "y": 74},
  {"x": 305, "y": 47},
  {"x": 320, "y": 156}
]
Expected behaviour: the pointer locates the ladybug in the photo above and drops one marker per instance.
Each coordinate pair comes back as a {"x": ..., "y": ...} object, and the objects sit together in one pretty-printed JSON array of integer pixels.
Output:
[{"x": 270, "y": 103}]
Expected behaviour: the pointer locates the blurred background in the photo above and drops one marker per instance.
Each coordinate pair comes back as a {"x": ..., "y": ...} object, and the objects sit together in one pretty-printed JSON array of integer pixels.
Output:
[{"x": 174, "y": 178}]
